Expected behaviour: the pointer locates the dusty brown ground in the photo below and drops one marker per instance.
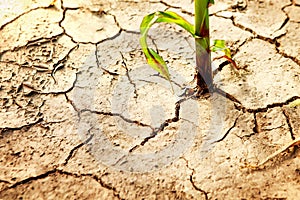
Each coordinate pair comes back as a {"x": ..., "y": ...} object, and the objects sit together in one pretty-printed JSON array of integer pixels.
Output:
[{"x": 84, "y": 117}]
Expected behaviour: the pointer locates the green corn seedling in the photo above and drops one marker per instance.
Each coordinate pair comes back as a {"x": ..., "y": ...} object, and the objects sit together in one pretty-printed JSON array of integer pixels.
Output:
[{"x": 200, "y": 31}]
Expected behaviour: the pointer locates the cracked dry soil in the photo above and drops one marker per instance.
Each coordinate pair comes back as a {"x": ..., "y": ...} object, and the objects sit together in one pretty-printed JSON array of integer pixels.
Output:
[{"x": 84, "y": 117}]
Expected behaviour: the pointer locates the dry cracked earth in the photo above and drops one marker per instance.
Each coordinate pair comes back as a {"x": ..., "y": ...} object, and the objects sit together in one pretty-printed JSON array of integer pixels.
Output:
[{"x": 83, "y": 116}]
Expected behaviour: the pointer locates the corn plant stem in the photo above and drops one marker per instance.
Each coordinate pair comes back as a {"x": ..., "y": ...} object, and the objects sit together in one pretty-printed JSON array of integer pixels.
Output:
[{"x": 203, "y": 56}]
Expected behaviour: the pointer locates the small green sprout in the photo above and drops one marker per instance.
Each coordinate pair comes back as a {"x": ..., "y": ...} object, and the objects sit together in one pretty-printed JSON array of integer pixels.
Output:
[{"x": 200, "y": 31}]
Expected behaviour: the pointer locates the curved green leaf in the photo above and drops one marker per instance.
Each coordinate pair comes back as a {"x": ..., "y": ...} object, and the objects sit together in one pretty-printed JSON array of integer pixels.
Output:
[{"x": 153, "y": 59}]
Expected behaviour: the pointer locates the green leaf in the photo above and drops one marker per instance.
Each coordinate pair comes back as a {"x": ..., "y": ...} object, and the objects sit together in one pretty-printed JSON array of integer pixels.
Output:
[
  {"x": 158, "y": 64},
  {"x": 220, "y": 45},
  {"x": 153, "y": 59},
  {"x": 295, "y": 103},
  {"x": 172, "y": 17}
]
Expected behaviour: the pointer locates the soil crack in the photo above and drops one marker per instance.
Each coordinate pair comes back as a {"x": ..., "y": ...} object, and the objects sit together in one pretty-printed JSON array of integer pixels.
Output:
[
  {"x": 264, "y": 109},
  {"x": 287, "y": 19},
  {"x": 99, "y": 65},
  {"x": 226, "y": 95},
  {"x": 63, "y": 18},
  {"x": 4, "y": 181},
  {"x": 256, "y": 35},
  {"x": 285, "y": 55},
  {"x": 128, "y": 76},
  {"x": 24, "y": 13},
  {"x": 161, "y": 127},
  {"x": 65, "y": 9},
  {"x": 74, "y": 150},
  {"x": 228, "y": 131},
  {"x": 175, "y": 7},
  {"x": 288, "y": 121},
  {"x": 118, "y": 115},
  {"x": 274, "y": 40},
  {"x": 27, "y": 180},
  {"x": 62, "y": 172},
  {"x": 103, "y": 184},
  {"x": 73, "y": 105},
  {"x": 6, "y": 129},
  {"x": 37, "y": 42},
  {"x": 60, "y": 63},
  {"x": 295, "y": 3},
  {"x": 192, "y": 179}
]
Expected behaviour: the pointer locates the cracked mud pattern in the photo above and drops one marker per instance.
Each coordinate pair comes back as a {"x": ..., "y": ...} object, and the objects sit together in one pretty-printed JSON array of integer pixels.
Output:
[{"x": 83, "y": 116}]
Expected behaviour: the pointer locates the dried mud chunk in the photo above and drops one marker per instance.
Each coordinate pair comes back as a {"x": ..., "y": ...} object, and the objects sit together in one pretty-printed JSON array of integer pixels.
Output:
[
  {"x": 42, "y": 55},
  {"x": 294, "y": 13},
  {"x": 221, "y": 5},
  {"x": 233, "y": 35},
  {"x": 273, "y": 121},
  {"x": 13, "y": 9},
  {"x": 290, "y": 42},
  {"x": 263, "y": 17},
  {"x": 129, "y": 14},
  {"x": 32, "y": 150},
  {"x": 84, "y": 26},
  {"x": 43, "y": 24},
  {"x": 268, "y": 73},
  {"x": 17, "y": 109},
  {"x": 62, "y": 82},
  {"x": 57, "y": 109}
]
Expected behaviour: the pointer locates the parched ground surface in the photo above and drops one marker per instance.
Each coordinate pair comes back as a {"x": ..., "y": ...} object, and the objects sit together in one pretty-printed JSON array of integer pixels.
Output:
[{"x": 83, "y": 116}]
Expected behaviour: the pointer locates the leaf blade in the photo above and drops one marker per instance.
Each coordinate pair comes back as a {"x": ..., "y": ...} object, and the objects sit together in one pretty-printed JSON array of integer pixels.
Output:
[{"x": 154, "y": 59}]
